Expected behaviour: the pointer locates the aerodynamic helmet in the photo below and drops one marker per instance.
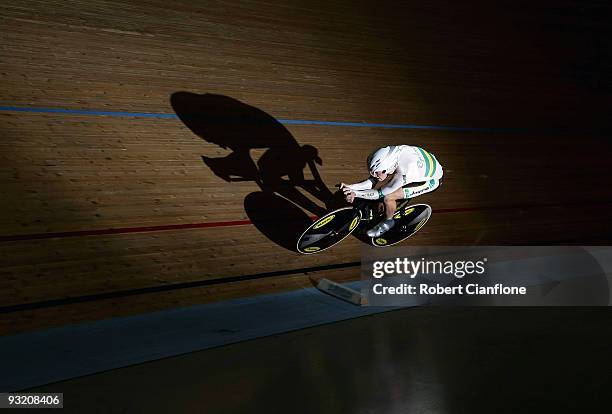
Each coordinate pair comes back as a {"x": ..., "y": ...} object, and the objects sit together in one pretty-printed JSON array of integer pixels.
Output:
[{"x": 383, "y": 159}]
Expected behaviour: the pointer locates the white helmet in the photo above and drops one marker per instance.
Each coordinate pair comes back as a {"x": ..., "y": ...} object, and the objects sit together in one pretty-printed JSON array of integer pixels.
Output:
[{"x": 383, "y": 159}]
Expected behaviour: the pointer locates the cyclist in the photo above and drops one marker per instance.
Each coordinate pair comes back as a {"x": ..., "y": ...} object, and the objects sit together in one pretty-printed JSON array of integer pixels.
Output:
[{"x": 404, "y": 165}]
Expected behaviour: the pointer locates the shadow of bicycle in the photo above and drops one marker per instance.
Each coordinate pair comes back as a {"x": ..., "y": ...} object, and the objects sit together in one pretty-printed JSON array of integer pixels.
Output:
[{"x": 279, "y": 210}]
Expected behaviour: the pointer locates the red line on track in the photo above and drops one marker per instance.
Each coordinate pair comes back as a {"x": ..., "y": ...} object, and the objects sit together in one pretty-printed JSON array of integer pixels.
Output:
[
  {"x": 186, "y": 226},
  {"x": 123, "y": 230}
]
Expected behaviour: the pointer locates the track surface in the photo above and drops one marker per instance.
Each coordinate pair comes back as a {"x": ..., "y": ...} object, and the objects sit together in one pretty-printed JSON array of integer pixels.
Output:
[{"x": 194, "y": 142}]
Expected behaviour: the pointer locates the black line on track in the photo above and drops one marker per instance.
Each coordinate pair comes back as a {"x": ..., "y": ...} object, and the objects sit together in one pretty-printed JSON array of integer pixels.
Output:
[{"x": 156, "y": 289}]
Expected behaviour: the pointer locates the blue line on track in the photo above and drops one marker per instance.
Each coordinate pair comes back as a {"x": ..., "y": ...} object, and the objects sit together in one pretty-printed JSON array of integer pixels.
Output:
[
  {"x": 85, "y": 112},
  {"x": 397, "y": 126},
  {"x": 282, "y": 121}
]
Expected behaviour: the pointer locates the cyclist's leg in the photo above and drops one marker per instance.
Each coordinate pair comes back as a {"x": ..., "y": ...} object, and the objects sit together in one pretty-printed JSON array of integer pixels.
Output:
[{"x": 390, "y": 202}]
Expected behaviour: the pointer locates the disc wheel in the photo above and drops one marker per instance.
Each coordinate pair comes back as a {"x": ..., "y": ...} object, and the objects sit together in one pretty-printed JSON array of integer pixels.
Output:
[{"x": 328, "y": 230}]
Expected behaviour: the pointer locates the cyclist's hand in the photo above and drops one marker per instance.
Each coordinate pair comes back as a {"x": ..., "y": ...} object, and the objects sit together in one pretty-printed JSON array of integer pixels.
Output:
[
  {"x": 345, "y": 189},
  {"x": 350, "y": 197}
]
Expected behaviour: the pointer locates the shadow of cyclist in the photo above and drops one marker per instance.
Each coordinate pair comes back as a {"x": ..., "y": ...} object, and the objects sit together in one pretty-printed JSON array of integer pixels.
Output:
[{"x": 279, "y": 172}]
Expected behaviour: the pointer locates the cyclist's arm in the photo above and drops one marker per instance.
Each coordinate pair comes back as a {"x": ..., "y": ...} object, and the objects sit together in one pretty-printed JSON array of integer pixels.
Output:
[
  {"x": 364, "y": 185},
  {"x": 395, "y": 183}
]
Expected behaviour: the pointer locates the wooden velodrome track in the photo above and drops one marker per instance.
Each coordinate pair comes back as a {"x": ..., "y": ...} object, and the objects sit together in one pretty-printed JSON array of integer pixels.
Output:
[{"x": 179, "y": 169}]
